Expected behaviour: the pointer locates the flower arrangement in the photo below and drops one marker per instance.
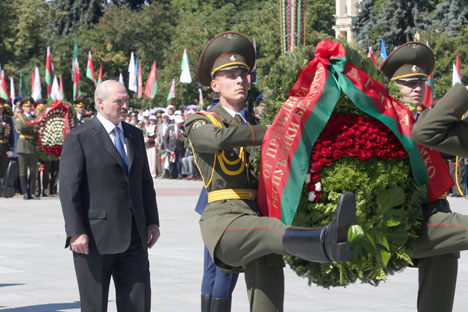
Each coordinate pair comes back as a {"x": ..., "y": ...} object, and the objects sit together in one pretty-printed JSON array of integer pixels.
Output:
[
  {"x": 357, "y": 153},
  {"x": 354, "y": 151},
  {"x": 52, "y": 125}
]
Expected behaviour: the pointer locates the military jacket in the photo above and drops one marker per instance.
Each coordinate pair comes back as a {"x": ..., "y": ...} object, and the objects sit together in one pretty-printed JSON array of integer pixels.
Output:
[
  {"x": 6, "y": 133},
  {"x": 224, "y": 157},
  {"x": 27, "y": 140},
  {"x": 441, "y": 127}
]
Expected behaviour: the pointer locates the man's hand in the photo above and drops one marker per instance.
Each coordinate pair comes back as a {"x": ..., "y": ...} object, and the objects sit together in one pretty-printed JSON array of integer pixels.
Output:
[
  {"x": 79, "y": 243},
  {"x": 153, "y": 235}
]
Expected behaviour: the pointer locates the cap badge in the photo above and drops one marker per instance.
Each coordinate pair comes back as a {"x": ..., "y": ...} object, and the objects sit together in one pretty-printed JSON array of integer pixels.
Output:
[
  {"x": 416, "y": 69},
  {"x": 233, "y": 58}
]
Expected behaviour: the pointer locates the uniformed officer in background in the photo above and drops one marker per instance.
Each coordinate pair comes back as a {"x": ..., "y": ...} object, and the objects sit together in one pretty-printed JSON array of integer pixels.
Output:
[
  {"x": 26, "y": 149},
  {"x": 443, "y": 233},
  {"x": 223, "y": 143},
  {"x": 7, "y": 142}
]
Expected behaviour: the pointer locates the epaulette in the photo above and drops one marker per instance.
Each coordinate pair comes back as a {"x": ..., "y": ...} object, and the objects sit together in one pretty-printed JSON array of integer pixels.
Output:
[{"x": 211, "y": 115}]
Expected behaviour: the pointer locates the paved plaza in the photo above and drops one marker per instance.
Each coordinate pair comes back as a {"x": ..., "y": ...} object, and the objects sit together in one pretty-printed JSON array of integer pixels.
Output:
[{"x": 37, "y": 275}]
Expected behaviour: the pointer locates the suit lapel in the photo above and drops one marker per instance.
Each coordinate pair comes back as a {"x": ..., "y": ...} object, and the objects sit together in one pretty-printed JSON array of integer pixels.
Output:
[
  {"x": 225, "y": 116},
  {"x": 101, "y": 132}
]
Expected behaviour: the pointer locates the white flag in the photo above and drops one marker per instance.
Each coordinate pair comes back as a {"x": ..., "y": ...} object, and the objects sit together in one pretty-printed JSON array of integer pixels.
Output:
[
  {"x": 132, "y": 78},
  {"x": 36, "y": 92},
  {"x": 12, "y": 90},
  {"x": 455, "y": 76},
  {"x": 121, "y": 79},
  {"x": 185, "y": 74},
  {"x": 55, "y": 93}
]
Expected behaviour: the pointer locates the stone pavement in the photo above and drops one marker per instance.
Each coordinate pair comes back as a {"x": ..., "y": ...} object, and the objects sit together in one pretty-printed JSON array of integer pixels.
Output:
[{"x": 36, "y": 272}]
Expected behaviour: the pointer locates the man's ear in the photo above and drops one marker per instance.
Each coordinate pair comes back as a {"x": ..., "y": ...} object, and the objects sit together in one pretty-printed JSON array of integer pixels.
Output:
[{"x": 214, "y": 85}]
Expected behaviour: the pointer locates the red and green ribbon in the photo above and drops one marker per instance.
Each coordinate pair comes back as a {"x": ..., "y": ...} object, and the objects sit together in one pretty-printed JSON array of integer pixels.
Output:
[{"x": 288, "y": 143}]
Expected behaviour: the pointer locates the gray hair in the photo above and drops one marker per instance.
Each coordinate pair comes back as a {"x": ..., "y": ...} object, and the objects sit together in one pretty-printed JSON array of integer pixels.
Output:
[{"x": 102, "y": 92}]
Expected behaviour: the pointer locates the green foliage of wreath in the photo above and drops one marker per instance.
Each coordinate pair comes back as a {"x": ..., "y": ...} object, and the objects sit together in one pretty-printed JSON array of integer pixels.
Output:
[
  {"x": 388, "y": 200},
  {"x": 388, "y": 218}
]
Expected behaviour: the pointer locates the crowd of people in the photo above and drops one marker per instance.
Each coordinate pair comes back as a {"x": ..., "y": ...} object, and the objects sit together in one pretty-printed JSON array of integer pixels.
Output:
[{"x": 26, "y": 170}]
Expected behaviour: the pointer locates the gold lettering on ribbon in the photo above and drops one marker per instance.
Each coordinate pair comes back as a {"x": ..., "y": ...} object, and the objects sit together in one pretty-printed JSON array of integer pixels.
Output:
[
  {"x": 318, "y": 77},
  {"x": 431, "y": 170}
]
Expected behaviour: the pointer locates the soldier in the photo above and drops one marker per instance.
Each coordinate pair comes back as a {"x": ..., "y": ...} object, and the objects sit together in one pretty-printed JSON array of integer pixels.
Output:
[
  {"x": 26, "y": 149},
  {"x": 236, "y": 236},
  {"x": 7, "y": 142},
  {"x": 443, "y": 233},
  {"x": 80, "y": 104}
]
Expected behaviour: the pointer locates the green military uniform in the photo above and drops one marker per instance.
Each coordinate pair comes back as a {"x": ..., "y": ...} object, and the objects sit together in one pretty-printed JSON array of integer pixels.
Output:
[
  {"x": 232, "y": 229},
  {"x": 26, "y": 149},
  {"x": 443, "y": 233}
]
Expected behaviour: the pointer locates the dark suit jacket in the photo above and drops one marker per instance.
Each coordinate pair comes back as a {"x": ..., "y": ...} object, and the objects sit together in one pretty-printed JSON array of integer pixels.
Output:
[
  {"x": 171, "y": 142},
  {"x": 98, "y": 197},
  {"x": 10, "y": 138}
]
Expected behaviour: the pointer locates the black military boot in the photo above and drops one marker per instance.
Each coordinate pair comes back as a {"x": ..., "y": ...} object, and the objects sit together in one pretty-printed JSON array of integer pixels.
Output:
[
  {"x": 205, "y": 302},
  {"x": 324, "y": 244},
  {"x": 8, "y": 188},
  {"x": 24, "y": 187},
  {"x": 221, "y": 304},
  {"x": 32, "y": 186}
]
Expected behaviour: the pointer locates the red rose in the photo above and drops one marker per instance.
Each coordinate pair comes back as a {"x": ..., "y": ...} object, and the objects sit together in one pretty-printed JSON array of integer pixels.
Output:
[{"x": 318, "y": 196}]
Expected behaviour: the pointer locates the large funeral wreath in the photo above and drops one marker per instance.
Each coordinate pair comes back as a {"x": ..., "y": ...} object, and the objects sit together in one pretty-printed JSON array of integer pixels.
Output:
[{"x": 354, "y": 152}]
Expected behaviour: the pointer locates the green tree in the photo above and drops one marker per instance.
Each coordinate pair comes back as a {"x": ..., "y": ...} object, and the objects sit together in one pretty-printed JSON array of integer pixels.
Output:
[
  {"x": 451, "y": 16},
  {"x": 72, "y": 15},
  {"x": 319, "y": 16}
]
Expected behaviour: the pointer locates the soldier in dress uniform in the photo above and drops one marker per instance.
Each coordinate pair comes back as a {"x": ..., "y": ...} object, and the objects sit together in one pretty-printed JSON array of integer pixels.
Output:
[
  {"x": 443, "y": 233},
  {"x": 80, "y": 104},
  {"x": 26, "y": 149},
  {"x": 236, "y": 236},
  {"x": 7, "y": 142}
]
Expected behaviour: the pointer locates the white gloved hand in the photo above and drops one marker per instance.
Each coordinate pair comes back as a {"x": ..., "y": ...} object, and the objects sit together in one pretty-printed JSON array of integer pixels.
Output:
[{"x": 9, "y": 153}]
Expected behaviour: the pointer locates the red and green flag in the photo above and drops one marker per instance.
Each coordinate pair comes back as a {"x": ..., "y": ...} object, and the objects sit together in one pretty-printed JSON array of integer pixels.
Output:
[
  {"x": 152, "y": 82},
  {"x": 171, "y": 96},
  {"x": 430, "y": 94},
  {"x": 201, "y": 103},
  {"x": 140, "y": 81},
  {"x": 48, "y": 73},
  {"x": 288, "y": 143},
  {"x": 76, "y": 81},
  {"x": 3, "y": 86},
  {"x": 99, "y": 80},
  {"x": 90, "y": 69}
]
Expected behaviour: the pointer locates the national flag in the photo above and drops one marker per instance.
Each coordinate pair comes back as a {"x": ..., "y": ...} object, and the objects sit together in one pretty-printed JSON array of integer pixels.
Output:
[
  {"x": 372, "y": 57},
  {"x": 383, "y": 52},
  {"x": 171, "y": 96},
  {"x": 90, "y": 69},
  {"x": 201, "y": 103},
  {"x": 99, "y": 80},
  {"x": 12, "y": 90},
  {"x": 76, "y": 81},
  {"x": 48, "y": 72},
  {"x": 3, "y": 86},
  {"x": 430, "y": 94},
  {"x": 22, "y": 86},
  {"x": 121, "y": 79},
  {"x": 173, "y": 157},
  {"x": 61, "y": 87},
  {"x": 75, "y": 57},
  {"x": 253, "y": 74},
  {"x": 185, "y": 76},
  {"x": 140, "y": 81},
  {"x": 55, "y": 90},
  {"x": 36, "y": 89},
  {"x": 456, "y": 77},
  {"x": 132, "y": 78},
  {"x": 457, "y": 65},
  {"x": 152, "y": 82}
]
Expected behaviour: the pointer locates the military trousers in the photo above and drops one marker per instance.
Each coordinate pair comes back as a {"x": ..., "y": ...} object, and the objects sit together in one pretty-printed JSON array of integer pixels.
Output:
[
  {"x": 437, "y": 249},
  {"x": 3, "y": 159},
  {"x": 255, "y": 244},
  {"x": 25, "y": 162}
]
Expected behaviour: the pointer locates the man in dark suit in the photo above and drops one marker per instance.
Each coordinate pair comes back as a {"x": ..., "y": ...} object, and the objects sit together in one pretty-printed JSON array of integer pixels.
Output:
[
  {"x": 173, "y": 142},
  {"x": 7, "y": 143},
  {"x": 109, "y": 205}
]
